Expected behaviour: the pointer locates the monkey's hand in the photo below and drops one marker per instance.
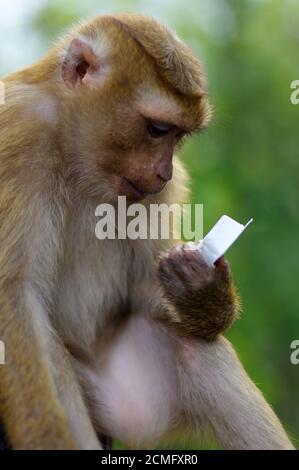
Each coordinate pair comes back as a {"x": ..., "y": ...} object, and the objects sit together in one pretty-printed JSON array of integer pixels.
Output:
[{"x": 204, "y": 297}]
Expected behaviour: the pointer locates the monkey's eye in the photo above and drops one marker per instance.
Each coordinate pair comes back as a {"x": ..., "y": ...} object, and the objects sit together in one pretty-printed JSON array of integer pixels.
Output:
[{"x": 158, "y": 129}]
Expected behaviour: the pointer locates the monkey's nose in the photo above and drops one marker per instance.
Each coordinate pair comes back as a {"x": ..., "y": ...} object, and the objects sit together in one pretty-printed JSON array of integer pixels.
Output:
[
  {"x": 165, "y": 178},
  {"x": 164, "y": 171},
  {"x": 164, "y": 164}
]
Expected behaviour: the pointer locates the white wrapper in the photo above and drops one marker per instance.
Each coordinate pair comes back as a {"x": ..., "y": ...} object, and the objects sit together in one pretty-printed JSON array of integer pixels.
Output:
[{"x": 220, "y": 238}]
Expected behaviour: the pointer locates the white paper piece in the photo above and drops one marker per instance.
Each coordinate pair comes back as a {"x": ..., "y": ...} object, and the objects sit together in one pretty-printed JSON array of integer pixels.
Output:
[{"x": 220, "y": 238}]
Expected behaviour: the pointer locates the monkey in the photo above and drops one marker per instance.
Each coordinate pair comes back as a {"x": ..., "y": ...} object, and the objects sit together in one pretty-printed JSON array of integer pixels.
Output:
[{"x": 121, "y": 338}]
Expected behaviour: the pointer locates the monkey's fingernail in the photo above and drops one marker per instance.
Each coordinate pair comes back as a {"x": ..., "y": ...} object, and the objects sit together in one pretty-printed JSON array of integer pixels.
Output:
[{"x": 221, "y": 263}]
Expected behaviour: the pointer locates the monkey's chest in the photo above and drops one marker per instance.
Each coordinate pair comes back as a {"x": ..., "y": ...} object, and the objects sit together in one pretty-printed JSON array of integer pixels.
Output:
[{"x": 93, "y": 288}]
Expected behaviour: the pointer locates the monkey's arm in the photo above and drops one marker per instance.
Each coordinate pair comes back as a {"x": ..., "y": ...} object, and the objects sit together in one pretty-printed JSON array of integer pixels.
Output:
[
  {"x": 204, "y": 297},
  {"x": 30, "y": 410},
  {"x": 41, "y": 406}
]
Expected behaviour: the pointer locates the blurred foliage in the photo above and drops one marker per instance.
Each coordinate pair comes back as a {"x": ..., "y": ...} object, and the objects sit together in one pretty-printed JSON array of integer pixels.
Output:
[{"x": 245, "y": 165}]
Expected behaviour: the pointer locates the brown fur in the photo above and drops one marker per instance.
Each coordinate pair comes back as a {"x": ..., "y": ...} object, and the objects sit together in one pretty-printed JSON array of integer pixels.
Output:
[
  {"x": 32, "y": 167},
  {"x": 205, "y": 298},
  {"x": 65, "y": 146}
]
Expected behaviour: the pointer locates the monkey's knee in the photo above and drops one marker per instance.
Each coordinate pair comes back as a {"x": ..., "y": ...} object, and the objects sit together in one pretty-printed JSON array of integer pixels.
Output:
[
  {"x": 135, "y": 391},
  {"x": 130, "y": 413},
  {"x": 135, "y": 424}
]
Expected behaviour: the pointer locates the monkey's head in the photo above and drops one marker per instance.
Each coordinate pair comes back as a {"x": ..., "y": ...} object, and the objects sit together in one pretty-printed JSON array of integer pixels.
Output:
[{"x": 130, "y": 92}]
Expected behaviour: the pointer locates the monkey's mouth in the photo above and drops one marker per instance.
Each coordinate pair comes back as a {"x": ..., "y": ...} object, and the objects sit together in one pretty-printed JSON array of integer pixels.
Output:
[{"x": 133, "y": 191}]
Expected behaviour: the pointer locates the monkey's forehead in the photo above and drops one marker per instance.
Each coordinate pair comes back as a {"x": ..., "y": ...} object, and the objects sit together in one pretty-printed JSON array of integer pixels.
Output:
[
  {"x": 157, "y": 104},
  {"x": 174, "y": 60}
]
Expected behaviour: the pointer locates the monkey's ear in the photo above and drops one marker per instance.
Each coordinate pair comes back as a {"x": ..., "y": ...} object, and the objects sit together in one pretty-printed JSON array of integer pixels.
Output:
[{"x": 81, "y": 65}]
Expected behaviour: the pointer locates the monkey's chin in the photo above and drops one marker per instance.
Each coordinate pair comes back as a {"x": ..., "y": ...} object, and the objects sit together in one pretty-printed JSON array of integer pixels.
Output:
[{"x": 131, "y": 191}]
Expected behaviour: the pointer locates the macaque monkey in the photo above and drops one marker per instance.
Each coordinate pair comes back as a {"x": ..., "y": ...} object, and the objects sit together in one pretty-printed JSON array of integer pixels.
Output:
[{"x": 120, "y": 338}]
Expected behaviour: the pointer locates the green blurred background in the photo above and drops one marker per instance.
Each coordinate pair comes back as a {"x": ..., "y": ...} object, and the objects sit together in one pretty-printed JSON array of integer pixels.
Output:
[{"x": 245, "y": 165}]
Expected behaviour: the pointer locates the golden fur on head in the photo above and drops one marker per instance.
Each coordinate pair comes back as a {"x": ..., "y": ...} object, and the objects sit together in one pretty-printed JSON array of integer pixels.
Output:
[
  {"x": 174, "y": 60},
  {"x": 140, "y": 50}
]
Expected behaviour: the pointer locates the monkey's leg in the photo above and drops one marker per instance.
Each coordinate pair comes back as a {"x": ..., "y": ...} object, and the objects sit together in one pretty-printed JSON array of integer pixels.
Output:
[
  {"x": 71, "y": 398},
  {"x": 150, "y": 381},
  {"x": 133, "y": 390},
  {"x": 216, "y": 389}
]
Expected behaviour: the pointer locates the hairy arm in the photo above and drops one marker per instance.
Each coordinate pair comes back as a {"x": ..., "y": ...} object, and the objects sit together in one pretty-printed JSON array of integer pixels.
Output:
[
  {"x": 204, "y": 297},
  {"x": 33, "y": 398}
]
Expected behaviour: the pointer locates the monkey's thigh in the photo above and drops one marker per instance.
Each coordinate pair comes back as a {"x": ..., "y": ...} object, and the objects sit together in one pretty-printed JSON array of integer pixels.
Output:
[{"x": 135, "y": 391}]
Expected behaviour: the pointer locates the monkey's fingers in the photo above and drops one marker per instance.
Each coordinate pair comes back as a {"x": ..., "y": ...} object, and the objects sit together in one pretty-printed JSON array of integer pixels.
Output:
[
  {"x": 190, "y": 267},
  {"x": 169, "y": 279}
]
